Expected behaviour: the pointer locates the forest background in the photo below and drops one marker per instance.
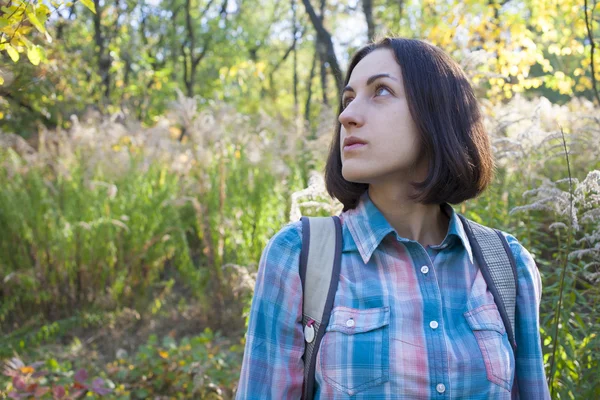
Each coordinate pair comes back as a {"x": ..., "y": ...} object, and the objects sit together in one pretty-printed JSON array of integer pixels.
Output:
[{"x": 149, "y": 150}]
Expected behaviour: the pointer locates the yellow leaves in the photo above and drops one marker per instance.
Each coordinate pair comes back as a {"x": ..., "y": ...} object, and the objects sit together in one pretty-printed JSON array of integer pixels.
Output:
[
  {"x": 584, "y": 83},
  {"x": 554, "y": 49},
  {"x": 528, "y": 44},
  {"x": 90, "y": 5},
  {"x": 546, "y": 66},
  {"x": 34, "y": 54},
  {"x": 496, "y": 82},
  {"x": 17, "y": 22},
  {"x": 35, "y": 21},
  {"x": 536, "y": 82},
  {"x": 577, "y": 47},
  {"x": 27, "y": 370},
  {"x": 12, "y": 52},
  {"x": 565, "y": 87},
  {"x": 163, "y": 354},
  {"x": 580, "y": 27}
]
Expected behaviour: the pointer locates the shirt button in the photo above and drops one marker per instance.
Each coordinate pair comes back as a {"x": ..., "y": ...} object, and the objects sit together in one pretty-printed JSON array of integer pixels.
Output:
[
  {"x": 350, "y": 323},
  {"x": 441, "y": 388},
  {"x": 424, "y": 269},
  {"x": 433, "y": 324}
]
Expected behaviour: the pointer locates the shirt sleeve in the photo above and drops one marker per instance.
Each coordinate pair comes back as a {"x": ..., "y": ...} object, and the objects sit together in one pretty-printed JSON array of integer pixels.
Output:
[
  {"x": 272, "y": 366},
  {"x": 530, "y": 377}
]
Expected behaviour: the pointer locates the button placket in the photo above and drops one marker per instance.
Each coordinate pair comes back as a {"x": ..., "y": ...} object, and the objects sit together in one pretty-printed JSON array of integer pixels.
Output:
[{"x": 432, "y": 300}]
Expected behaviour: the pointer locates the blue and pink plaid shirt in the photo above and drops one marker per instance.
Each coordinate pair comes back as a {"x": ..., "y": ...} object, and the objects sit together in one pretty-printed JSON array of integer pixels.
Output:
[{"x": 407, "y": 322}]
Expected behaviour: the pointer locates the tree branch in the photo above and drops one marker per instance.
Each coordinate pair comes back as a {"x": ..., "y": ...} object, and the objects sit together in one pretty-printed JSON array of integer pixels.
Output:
[
  {"x": 593, "y": 45},
  {"x": 326, "y": 38}
]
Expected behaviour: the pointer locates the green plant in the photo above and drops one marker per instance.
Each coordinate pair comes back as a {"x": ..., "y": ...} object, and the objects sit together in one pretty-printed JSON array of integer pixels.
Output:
[{"x": 30, "y": 381}]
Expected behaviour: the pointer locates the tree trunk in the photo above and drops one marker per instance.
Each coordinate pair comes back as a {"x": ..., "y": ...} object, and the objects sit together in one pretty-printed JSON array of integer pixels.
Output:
[
  {"x": 104, "y": 59},
  {"x": 368, "y": 10},
  {"x": 276, "y": 67},
  {"x": 309, "y": 90},
  {"x": 323, "y": 58},
  {"x": 400, "y": 9},
  {"x": 190, "y": 59},
  {"x": 295, "y": 32},
  {"x": 325, "y": 38},
  {"x": 589, "y": 21}
]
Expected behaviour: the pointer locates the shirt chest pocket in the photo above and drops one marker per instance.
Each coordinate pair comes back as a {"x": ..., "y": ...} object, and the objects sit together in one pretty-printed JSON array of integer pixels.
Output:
[
  {"x": 355, "y": 350},
  {"x": 492, "y": 339}
]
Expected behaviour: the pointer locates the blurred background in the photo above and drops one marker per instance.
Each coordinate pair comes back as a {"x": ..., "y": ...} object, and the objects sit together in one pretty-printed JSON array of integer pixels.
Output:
[{"x": 149, "y": 150}]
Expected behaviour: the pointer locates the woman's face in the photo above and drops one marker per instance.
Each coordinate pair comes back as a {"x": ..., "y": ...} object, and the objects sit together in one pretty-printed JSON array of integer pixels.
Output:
[{"x": 376, "y": 111}]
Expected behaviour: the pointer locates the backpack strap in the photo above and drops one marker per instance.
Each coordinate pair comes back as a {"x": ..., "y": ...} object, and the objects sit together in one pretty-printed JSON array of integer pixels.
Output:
[
  {"x": 498, "y": 267},
  {"x": 320, "y": 263}
]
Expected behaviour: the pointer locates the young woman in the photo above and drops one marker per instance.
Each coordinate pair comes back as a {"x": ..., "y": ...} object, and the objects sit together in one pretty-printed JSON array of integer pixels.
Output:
[{"x": 430, "y": 326}]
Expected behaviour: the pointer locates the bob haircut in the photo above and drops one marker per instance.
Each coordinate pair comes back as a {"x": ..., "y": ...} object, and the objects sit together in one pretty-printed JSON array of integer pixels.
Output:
[{"x": 446, "y": 113}]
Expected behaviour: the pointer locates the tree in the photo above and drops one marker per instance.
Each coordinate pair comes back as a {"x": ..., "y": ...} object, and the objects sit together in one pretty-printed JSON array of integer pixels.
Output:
[{"x": 324, "y": 40}]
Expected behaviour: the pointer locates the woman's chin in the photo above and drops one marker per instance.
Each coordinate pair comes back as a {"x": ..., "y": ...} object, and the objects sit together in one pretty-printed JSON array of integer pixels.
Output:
[{"x": 355, "y": 177}]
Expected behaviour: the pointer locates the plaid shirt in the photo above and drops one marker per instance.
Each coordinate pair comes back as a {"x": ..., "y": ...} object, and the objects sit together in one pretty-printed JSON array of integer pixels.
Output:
[{"x": 407, "y": 322}]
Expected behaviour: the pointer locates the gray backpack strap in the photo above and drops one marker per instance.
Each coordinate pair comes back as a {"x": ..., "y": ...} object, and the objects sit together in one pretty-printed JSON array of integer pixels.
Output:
[
  {"x": 498, "y": 267},
  {"x": 320, "y": 263}
]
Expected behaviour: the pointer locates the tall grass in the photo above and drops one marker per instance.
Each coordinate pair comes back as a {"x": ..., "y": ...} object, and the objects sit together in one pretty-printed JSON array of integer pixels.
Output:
[
  {"x": 109, "y": 215},
  {"x": 106, "y": 215},
  {"x": 547, "y": 193}
]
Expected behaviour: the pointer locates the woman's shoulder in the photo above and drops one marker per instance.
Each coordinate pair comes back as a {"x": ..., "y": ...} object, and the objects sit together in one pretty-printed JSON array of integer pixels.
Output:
[
  {"x": 519, "y": 251},
  {"x": 282, "y": 251},
  {"x": 527, "y": 269},
  {"x": 288, "y": 236}
]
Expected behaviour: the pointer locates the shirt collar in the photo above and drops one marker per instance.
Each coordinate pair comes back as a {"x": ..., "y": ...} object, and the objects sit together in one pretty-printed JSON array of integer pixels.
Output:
[{"x": 367, "y": 227}]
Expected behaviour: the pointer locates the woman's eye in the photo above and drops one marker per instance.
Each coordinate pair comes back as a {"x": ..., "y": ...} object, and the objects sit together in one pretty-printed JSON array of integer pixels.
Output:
[
  {"x": 346, "y": 101},
  {"x": 381, "y": 91}
]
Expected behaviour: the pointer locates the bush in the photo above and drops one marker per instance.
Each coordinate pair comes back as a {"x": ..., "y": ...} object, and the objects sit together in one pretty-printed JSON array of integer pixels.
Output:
[{"x": 205, "y": 366}]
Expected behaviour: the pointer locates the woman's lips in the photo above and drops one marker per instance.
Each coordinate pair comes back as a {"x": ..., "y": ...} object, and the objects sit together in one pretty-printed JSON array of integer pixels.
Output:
[{"x": 354, "y": 146}]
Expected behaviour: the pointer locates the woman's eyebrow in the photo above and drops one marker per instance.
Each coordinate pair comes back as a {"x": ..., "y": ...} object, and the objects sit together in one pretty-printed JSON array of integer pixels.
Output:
[{"x": 370, "y": 81}]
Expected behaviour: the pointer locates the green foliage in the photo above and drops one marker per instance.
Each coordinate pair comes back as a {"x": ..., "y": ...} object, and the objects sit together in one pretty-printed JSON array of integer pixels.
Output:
[
  {"x": 204, "y": 366},
  {"x": 17, "y": 20},
  {"x": 108, "y": 215},
  {"x": 71, "y": 243},
  {"x": 49, "y": 380},
  {"x": 118, "y": 222},
  {"x": 531, "y": 198},
  {"x": 131, "y": 57}
]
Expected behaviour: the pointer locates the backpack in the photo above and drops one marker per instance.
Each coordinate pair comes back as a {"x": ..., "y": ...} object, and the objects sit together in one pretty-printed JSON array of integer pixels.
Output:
[{"x": 320, "y": 263}]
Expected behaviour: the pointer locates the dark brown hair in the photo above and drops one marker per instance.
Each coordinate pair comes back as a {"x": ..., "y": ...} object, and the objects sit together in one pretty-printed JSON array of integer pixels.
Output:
[{"x": 443, "y": 106}]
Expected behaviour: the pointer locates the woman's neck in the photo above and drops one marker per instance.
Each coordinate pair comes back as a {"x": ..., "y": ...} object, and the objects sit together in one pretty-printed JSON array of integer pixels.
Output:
[{"x": 424, "y": 223}]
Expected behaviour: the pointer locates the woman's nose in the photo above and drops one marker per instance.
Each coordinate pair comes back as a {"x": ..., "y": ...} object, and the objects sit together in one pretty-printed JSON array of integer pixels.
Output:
[{"x": 351, "y": 116}]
